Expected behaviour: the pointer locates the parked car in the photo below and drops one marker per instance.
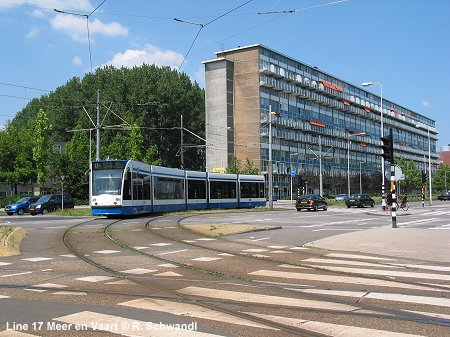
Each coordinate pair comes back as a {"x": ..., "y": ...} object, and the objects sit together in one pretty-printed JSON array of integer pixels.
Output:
[
  {"x": 20, "y": 206},
  {"x": 311, "y": 202},
  {"x": 49, "y": 203},
  {"x": 341, "y": 197},
  {"x": 359, "y": 200},
  {"x": 444, "y": 196}
]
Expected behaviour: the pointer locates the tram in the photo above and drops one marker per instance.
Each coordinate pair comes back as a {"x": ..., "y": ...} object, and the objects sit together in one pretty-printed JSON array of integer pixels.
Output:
[{"x": 128, "y": 187}]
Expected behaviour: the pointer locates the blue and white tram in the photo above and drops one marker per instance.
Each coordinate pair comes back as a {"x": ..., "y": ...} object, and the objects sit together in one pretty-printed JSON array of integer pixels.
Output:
[{"x": 127, "y": 187}]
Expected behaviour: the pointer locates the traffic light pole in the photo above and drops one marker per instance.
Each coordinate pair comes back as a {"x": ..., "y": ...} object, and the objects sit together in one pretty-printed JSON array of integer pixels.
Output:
[{"x": 393, "y": 187}]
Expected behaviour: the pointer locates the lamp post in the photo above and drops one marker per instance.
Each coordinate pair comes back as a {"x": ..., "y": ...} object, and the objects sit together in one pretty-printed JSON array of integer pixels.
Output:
[
  {"x": 423, "y": 126},
  {"x": 360, "y": 178},
  {"x": 270, "y": 158},
  {"x": 367, "y": 84},
  {"x": 320, "y": 156},
  {"x": 290, "y": 161},
  {"x": 348, "y": 157}
]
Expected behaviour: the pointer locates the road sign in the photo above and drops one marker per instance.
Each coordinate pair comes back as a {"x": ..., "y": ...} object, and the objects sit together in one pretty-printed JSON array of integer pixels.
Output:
[
  {"x": 293, "y": 174},
  {"x": 397, "y": 173}
]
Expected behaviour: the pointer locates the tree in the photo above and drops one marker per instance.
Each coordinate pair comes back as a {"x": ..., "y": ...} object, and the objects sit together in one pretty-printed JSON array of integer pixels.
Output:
[
  {"x": 235, "y": 166},
  {"x": 41, "y": 146},
  {"x": 441, "y": 177},
  {"x": 412, "y": 174}
]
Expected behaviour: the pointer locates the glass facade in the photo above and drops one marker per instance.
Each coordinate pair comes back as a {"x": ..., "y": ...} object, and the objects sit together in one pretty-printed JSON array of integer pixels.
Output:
[
  {"x": 317, "y": 115},
  {"x": 313, "y": 105}
]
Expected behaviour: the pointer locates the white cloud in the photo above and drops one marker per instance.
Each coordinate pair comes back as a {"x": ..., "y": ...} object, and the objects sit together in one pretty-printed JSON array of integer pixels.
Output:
[
  {"x": 77, "y": 61},
  {"x": 33, "y": 32},
  {"x": 37, "y": 13},
  {"x": 76, "y": 28},
  {"x": 426, "y": 104},
  {"x": 199, "y": 76},
  {"x": 149, "y": 55}
]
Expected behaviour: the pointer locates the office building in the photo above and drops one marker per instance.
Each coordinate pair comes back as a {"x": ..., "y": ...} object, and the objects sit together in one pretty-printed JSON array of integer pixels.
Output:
[{"x": 315, "y": 111}]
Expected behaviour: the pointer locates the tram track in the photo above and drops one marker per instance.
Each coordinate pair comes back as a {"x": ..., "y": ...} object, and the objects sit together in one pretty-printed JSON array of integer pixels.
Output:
[
  {"x": 380, "y": 311},
  {"x": 216, "y": 305}
]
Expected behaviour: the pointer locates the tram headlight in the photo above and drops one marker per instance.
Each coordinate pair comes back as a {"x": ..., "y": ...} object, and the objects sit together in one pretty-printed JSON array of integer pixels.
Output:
[{"x": 94, "y": 200}]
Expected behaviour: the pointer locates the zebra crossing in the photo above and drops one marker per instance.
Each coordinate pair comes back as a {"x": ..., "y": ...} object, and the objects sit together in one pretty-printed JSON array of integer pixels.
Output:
[{"x": 356, "y": 274}]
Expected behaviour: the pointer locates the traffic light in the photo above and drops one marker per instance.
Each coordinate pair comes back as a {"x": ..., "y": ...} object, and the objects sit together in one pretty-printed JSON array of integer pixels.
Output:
[
  {"x": 424, "y": 177},
  {"x": 388, "y": 148}
]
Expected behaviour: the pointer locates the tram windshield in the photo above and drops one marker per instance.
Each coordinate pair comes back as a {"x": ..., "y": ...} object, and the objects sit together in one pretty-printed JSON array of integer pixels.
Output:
[{"x": 107, "y": 182}]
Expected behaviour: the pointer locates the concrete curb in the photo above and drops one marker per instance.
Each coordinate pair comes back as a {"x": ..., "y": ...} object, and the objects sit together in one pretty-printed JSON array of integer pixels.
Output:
[{"x": 10, "y": 245}]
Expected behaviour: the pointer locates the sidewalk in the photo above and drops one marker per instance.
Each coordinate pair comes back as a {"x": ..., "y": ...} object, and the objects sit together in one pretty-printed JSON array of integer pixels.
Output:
[{"x": 410, "y": 243}]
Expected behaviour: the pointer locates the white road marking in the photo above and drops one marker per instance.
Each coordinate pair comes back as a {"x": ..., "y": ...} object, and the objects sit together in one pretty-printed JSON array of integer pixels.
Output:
[
  {"x": 68, "y": 255},
  {"x": 255, "y": 250},
  {"x": 125, "y": 326},
  {"x": 70, "y": 293},
  {"x": 174, "y": 252},
  {"x": 206, "y": 259},
  {"x": 338, "y": 222},
  {"x": 16, "y": 274},
  {"x": 225, "y": 254},
  {"x": 5, "y": 263},
  {"x": 95, "y": 278},
  {"x": 277, "y": 247},
  {"x": 299, "y": 248},
  {"x": 350, "y": 262},
  {"x": 46, "y": 269},
  {"x": 168, "y": 273},
  {"x": 330, "y": 329},
  {"x": 338, "y": 229},
  {"x": 106, "y": 251},
  {"x": 355, "y": 256},
  {"x": 422, "y": 266},
  {"x": 418, "y": 222},
  {"x": 37, "y": 290},
  {"x": 189, "y": 310},
  {"x": 280, "y": 252},
  {"x": 4, "y": 296},
  {"x": 138, "y": 271},
  {"x": 390, "y": 273},
  {"x": 206, "y": 239},
  {"x": 261, "y": 239},
  {"x": 168, "y": 265},
  {"x": 428, "y": 300},
  {"x": 50, "y": 285},
  {"x": 140, "y": 247},
  {"x": 161, "y": 244},
  {"x": 338, "y": 279},
  {"x": 37, "y": 259},
  {"x": 265, "y": 299}
]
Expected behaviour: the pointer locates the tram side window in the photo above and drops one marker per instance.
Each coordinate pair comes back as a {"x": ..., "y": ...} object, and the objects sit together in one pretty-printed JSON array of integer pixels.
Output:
[
  {"x": 127, "y": 186},
  {"x": 138, "y": 186},
  {"x": 196, "y": 189},
  {"x": 147, "y": 187},
  {"x": 222, "y": 190},
  {"x": 169, "y": 188},
  {"x": 251, "y": 190}
]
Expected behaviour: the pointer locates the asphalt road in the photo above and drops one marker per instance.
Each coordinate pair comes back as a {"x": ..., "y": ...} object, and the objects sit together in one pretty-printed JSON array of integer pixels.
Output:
[{"x": 260, "y": 283}]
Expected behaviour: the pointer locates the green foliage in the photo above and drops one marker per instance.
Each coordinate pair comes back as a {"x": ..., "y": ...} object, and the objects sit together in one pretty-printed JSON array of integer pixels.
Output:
[
  {"x": 412, "y": 180},
  {"x": 42, "y": 145},
  {"x": 235, "y": 166},
  {"x": 441, "y": 177},
  {"x": 149, "y": 98}
]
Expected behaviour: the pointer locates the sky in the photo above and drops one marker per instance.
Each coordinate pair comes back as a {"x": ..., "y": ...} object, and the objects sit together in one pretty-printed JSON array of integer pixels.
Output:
[{"x": 404, "y": 44}]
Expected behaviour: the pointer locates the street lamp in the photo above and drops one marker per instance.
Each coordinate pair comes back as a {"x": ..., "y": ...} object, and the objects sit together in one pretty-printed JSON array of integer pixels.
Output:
[
  {"x": 320, "y": 156},
  {"x": 290, "y": 161},
  {"x": 423, "y": 126},
  {"x": 270, "y": 157},
  {"x": 348, "y": 156},
  {"x": 367, "y": 84},
  {"x": 360, "y": 178}
]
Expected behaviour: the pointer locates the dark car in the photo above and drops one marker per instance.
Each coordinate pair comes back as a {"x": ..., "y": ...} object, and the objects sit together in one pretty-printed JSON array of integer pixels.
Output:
[
  {"x": 20, "y": 206},
  {"x": 49, "y": 203},
  {"x": 311, "y": 202},
  {"x": 444, "y": 196},
  {"x": 359, "y": 200}
]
